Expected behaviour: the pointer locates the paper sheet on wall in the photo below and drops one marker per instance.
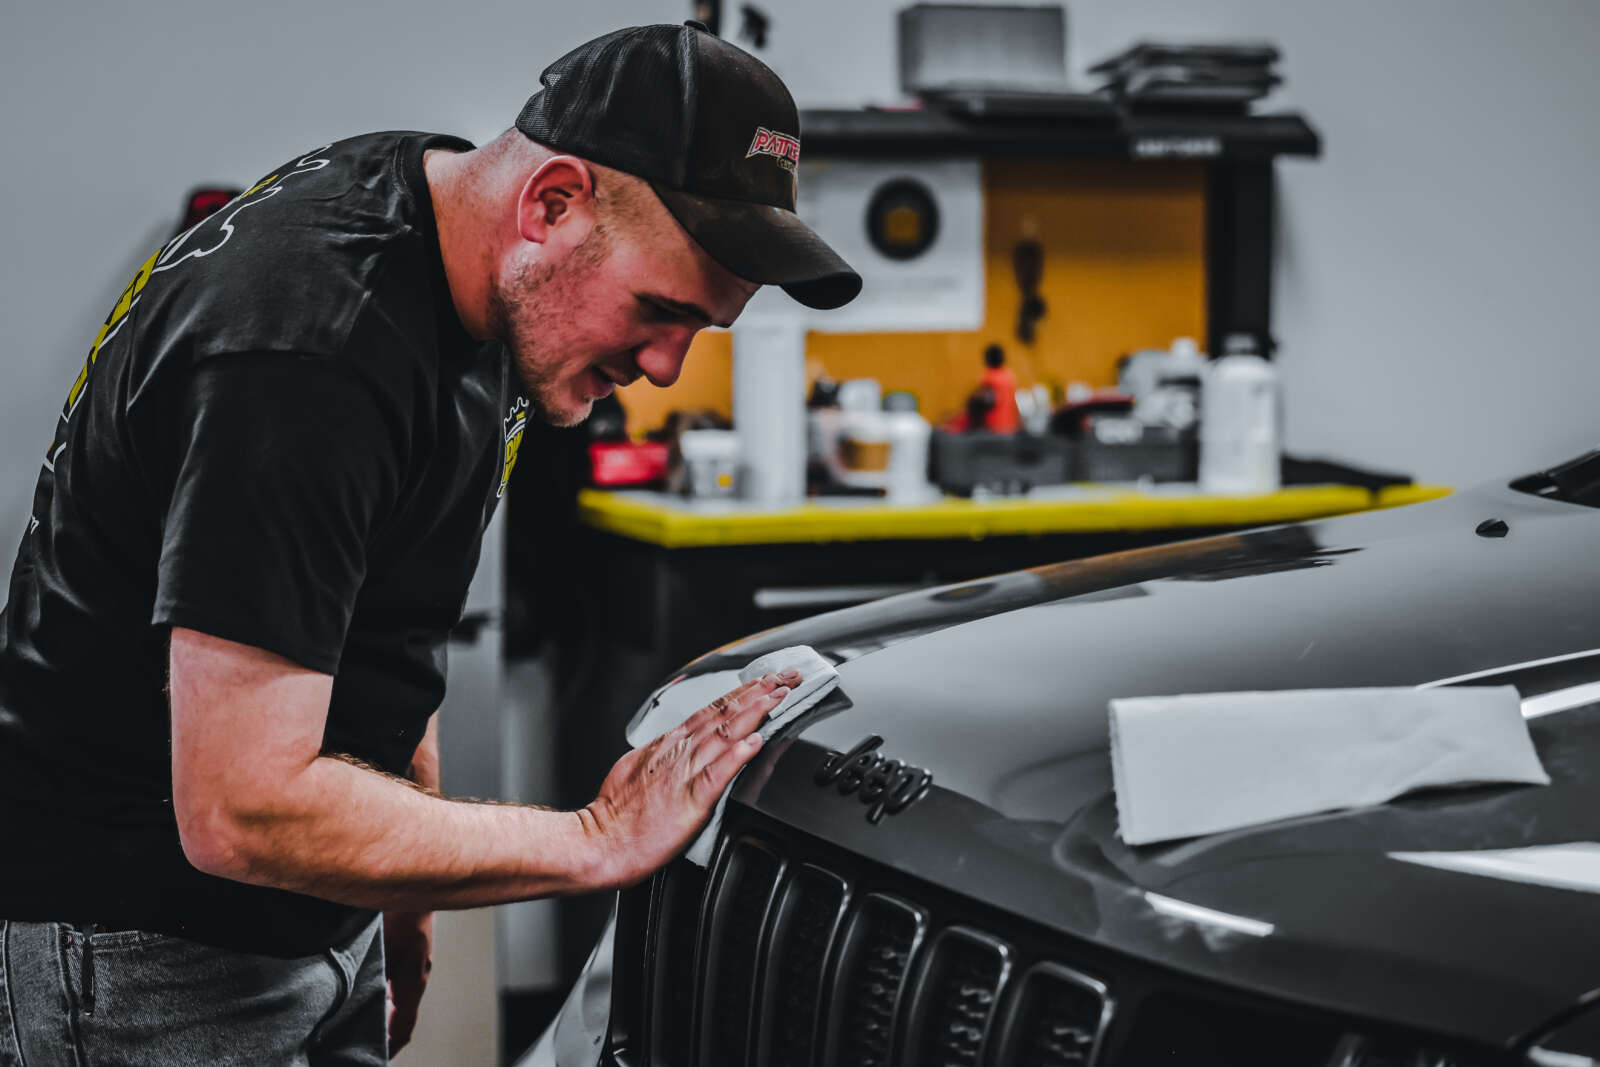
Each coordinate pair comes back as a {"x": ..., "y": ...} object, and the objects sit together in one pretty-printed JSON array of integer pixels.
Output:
[{"x": 941, "y": 289}]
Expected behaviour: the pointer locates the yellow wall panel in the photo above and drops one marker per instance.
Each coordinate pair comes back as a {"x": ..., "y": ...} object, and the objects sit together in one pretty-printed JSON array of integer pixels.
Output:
[{"x": 1124, "y": 268}]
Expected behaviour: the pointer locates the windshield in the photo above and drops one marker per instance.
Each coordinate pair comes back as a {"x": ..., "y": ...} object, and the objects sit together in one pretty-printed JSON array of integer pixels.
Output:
[{"x": 1576, "y": 481}]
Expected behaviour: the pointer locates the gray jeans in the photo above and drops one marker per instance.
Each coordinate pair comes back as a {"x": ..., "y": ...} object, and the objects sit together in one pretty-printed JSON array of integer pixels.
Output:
[{"x": 68, "y": 999}]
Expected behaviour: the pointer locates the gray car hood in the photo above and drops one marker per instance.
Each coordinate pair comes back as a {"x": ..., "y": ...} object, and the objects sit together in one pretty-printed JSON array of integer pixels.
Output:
[{"x": 999, "y": 689}]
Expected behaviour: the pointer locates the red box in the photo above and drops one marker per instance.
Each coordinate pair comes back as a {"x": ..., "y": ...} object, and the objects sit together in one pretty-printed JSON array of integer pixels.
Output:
[{"x": 619, "y": 463}]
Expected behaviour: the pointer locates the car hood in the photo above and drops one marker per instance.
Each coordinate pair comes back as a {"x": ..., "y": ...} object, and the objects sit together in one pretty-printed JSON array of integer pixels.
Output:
[{"x": 999, "y": 689}]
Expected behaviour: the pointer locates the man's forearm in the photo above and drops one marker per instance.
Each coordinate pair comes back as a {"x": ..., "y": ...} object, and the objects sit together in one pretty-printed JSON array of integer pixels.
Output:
[
  {"x": 349, "y": 834},
  {"x": 256, "y": 800}
]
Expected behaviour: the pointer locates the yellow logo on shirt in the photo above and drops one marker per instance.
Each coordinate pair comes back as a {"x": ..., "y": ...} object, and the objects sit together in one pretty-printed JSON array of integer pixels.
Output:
[
  {"x": 516, "y": 421},
  {"x": 183, "y": 247},
  {"x": 108, "y": 329}
]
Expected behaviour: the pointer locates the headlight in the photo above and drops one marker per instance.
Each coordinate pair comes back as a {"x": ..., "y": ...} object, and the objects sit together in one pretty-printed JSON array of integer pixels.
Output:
[{"x": 1357, "y": 1050}]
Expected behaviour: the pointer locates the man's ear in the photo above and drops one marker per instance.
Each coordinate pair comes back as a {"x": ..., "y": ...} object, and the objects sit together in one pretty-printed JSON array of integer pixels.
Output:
[{"x": 558, "y": 194}]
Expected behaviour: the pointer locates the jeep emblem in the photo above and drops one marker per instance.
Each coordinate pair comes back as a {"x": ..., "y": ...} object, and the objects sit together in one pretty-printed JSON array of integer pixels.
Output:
[{"x": 884, "y": 785}]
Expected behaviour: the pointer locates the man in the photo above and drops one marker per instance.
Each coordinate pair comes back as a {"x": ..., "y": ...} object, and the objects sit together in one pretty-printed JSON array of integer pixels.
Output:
[{"x": 255, "y": 527}]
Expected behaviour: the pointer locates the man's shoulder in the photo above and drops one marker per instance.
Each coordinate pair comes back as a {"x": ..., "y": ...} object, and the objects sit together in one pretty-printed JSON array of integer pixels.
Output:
[{"x": 293, "y": 260}]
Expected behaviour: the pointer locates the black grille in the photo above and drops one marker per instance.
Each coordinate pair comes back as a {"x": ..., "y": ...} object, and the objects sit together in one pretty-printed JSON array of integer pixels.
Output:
[
  {"x": 677, "y": 934},
  {"x": 749, "y": 879},
  {"x": 813, "y": 905},
  {"x": 966, "y": 975},
  {"x": 795, "y": 965},
  {"x": 884, "y": 933},
  {"x": 1058, "y": 1019}
]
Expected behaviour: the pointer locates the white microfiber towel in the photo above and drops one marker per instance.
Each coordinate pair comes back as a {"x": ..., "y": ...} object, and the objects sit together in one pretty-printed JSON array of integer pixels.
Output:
[
  {"x": 1204, "y": 763},
  {"x": 677, "y": 701},
  {"x": 817, "y": 679}
]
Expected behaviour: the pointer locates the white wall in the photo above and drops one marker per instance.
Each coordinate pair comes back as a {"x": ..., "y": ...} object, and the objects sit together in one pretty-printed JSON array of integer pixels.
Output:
[{"x": 1436, "y": 267}]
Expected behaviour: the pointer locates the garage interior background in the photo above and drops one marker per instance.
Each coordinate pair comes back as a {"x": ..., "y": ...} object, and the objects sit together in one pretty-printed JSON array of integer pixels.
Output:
[{"x": 1434, "y": 269}]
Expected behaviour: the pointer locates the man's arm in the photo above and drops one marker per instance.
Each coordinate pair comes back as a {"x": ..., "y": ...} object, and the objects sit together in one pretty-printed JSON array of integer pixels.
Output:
[
  {"x": 257, "y": 802},
  {"x": 408, "y": 935},
  {"x": 425, "y": 761}
]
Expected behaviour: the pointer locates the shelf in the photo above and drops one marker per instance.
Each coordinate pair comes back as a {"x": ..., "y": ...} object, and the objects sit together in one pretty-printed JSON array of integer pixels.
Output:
[{"x": 1114, "y": 134}]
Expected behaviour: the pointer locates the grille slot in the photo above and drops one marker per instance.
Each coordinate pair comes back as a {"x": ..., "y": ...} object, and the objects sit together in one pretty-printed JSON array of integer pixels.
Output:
[
  {"x": 965, "y": 976},
  {"x": 1057, "y": 1020},
  {"x": 883, "y": 937},
  {"x": 808, "y": 918},
  {"x": 677, "y": 933},
  {"x": 746, "y": 885}
]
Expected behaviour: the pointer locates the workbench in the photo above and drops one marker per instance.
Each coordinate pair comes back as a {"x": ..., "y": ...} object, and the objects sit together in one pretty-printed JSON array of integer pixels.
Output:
[{"x": 676, "y": 522}]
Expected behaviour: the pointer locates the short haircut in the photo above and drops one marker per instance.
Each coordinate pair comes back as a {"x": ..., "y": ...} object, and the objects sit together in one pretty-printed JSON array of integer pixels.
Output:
[{"x": 623, "y": 202}]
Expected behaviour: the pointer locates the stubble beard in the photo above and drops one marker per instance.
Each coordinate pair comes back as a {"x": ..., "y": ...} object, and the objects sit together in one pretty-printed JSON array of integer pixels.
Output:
[
  {"x": 520, "y": 306},
  {"x": 515, "y": 316}
]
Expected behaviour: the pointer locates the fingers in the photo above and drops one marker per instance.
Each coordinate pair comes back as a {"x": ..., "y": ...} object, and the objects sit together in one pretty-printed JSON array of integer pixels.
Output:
[
  {"x": 685, "y": 750},
  {"x": 714, "y": 778},
  {"x": 739, "y": 699},
  {"x": 404, "y": 997},
  {"x": 715, "y": 736},
  {"x": 688, "y": 751}
]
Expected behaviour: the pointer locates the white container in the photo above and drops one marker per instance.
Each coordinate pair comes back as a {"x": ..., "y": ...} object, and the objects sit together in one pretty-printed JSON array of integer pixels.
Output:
[
  {"x": 710, "y": 462},
  {"x": 860, "y": 394},
  {"x": 861, "y": 449},
  {"x": 907, "y": 476},
  {"x": 769, "y": 409},
  {"x": 1239, "y": 426},
  {"x": 1167, "y": 393}
]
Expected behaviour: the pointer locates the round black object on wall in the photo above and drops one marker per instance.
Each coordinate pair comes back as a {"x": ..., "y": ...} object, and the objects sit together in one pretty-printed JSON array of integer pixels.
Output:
[{"x": 902, "y": 219}]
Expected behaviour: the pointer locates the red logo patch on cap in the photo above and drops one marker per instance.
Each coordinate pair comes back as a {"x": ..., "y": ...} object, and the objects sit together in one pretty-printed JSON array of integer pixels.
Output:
[{"x": 780, "y": 146}]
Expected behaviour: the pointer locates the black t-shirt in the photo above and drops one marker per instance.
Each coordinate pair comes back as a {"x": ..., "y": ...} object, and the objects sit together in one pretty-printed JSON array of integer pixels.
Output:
[{"x": 282, "y": 436}]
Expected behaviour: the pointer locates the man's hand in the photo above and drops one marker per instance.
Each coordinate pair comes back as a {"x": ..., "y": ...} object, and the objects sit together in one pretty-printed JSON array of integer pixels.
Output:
[
  {"x": 407, "y": 960},
  {"x": 657, "y": 796}
]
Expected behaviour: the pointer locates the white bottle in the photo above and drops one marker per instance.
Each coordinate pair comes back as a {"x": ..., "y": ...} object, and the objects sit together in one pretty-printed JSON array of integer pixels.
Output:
[
  {"x": 1239, "y": 422},
  {"x": 906, "y": 481}
]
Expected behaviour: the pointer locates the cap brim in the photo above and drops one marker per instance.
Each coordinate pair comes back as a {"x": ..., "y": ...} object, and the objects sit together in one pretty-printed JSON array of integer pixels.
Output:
[{"x": 765, "y": 244}]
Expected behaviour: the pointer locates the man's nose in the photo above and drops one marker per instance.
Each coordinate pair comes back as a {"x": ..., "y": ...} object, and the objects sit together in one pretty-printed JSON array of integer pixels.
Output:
[{"x": 661, "y": 360}]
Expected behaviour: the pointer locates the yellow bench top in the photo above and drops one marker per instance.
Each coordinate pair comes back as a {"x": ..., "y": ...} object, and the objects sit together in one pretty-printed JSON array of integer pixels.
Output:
[{"x": 676, "y": 522}]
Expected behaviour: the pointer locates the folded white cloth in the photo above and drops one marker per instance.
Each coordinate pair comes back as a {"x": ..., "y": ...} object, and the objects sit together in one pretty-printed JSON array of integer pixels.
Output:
[
  {"x": 817, "y": 679},
  {"x": 1204, "y": 763},
  {"x": 675, "y": 702}
]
